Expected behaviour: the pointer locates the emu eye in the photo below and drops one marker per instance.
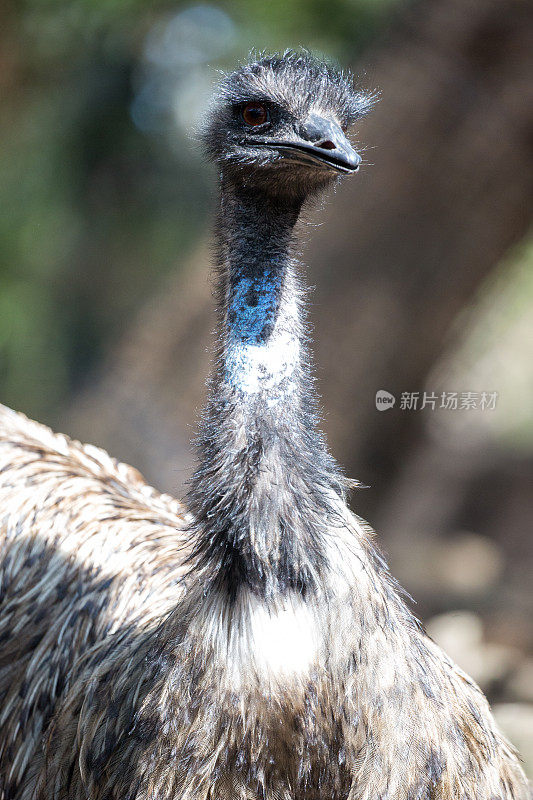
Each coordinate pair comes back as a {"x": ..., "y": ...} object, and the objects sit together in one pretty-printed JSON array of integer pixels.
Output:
[{"x": 254, "y": 114}]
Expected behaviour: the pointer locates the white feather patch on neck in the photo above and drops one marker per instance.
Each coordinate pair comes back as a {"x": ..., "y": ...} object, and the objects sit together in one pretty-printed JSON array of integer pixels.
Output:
[
  {"x": 263, "y": 367},
  {"x": 267, "y": 366}
]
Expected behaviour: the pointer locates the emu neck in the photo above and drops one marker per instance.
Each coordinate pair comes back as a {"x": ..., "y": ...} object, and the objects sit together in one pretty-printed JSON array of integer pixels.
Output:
[
  {"x": 265, "y": 485},
  {"x": 260, "y": 313}
]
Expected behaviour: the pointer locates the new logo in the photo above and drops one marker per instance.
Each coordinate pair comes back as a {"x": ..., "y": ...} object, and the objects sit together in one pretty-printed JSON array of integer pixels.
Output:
[{"x": 384, "y": 400}]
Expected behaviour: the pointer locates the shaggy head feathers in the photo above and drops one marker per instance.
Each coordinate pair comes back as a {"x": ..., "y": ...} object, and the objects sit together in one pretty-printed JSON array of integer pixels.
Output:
[
  {"x": 292, "y": 86},
  {"x": 298, "y": 82}
]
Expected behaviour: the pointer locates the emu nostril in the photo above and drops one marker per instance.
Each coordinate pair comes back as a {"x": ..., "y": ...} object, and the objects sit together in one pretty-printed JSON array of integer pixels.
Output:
[{"x": 327, "y": 145}]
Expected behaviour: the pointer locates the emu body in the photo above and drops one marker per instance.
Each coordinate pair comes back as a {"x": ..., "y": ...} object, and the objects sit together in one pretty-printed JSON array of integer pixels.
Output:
[{"x": 255, "y": 645}]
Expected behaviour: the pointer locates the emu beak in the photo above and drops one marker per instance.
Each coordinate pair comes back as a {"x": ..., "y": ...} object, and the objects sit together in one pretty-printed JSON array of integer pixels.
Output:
[{"x": 321, "y": 143}]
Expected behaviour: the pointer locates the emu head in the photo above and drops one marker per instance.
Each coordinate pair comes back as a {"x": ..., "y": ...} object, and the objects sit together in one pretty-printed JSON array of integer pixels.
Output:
[{"x": 279, "y": 125}]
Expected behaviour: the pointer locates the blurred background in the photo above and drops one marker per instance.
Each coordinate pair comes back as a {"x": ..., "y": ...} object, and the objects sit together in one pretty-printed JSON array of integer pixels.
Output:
[{"x": 422, "y": 267}]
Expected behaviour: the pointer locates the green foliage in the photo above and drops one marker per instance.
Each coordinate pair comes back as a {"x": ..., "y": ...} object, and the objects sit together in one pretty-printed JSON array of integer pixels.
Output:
[{"x": 337, "y": 27}]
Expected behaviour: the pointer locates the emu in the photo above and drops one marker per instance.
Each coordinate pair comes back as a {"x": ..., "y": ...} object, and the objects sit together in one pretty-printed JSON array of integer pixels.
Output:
[{"x": 251, "y": 643}]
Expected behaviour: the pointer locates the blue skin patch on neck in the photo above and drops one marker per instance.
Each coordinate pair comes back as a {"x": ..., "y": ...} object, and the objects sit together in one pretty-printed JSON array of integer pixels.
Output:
[{"x": 253, "y": 305}]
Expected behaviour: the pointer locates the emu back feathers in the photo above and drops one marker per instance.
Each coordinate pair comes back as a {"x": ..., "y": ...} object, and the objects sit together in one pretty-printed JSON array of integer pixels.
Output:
[
  {"x": 87, "y": 550},
  {"x": 114, "y": 682}
]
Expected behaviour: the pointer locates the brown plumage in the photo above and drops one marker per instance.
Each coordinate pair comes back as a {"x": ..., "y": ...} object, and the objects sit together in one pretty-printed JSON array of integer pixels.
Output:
[
  {"x": 254, "y": 647},
  {"x": 92, "y": 562},
  {"x": 87, "y": 549}
]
